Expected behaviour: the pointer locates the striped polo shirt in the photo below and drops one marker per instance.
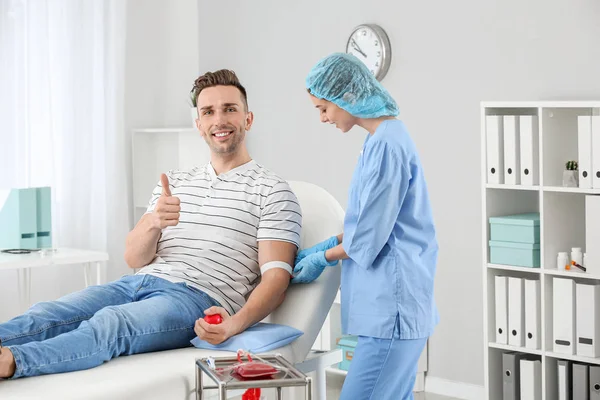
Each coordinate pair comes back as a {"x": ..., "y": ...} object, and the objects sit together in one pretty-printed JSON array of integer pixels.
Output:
[{"x": 215, "y": 245}]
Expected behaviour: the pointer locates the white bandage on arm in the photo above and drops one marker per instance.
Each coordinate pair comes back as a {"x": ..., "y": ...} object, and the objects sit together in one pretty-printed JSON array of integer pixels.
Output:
[{"x": 275, "y": 264}]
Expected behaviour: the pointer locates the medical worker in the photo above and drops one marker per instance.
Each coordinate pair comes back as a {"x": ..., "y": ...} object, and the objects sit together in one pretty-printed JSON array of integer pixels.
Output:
[{"x": 388, "y": 247}]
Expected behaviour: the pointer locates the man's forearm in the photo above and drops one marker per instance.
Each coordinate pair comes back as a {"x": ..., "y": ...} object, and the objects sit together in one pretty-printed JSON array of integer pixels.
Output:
[
  {"x": 140, "y": 247},
  {"x": 265, "y": 298}
]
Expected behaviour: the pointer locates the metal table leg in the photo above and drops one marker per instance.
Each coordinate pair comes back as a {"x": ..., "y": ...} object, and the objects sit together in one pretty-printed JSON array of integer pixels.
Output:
[
  {"x": 308, "y": 392},
  {"x": 222, "y": 392},
  {"x": 279, "y": 393},
  {"x": 199, "y": 387}
]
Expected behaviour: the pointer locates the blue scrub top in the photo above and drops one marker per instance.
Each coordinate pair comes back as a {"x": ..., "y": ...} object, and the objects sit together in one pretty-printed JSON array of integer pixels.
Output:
[{"x": 390, "y": 238}]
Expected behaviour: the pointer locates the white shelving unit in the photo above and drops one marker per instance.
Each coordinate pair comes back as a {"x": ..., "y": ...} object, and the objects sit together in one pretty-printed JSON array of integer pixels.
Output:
[
  {"x": 562, "y": 226},
  {"x": 158, "y": 150}
]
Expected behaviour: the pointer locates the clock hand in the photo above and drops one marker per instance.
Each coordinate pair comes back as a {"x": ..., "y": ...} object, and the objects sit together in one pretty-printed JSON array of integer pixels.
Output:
[{"x": 358, "y": 48}]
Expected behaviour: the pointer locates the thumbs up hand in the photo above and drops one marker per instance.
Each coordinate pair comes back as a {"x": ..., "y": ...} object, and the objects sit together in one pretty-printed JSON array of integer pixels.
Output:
[{"x": 166, "y": 212}]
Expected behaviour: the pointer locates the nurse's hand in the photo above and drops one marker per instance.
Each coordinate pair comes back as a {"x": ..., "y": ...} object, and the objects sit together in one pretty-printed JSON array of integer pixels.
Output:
[
  {"x": 323, "y": 246},
  {"x": 311, "y": 267}
]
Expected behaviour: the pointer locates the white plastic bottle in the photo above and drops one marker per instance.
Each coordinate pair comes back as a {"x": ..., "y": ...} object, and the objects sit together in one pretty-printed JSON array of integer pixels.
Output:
[{"x": 562, "y": 260}]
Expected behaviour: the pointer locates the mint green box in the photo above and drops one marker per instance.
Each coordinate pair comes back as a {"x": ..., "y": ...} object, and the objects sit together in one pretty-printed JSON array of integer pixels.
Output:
[
  {"x": 521, "y": 228},
  {"x": 44, "y": 217},
  {"x": 348, "y": 345},
  {"x": 515, "y": 254},
  {"x": 26, "y": 218},
  {"x": 18, "y": 219}
]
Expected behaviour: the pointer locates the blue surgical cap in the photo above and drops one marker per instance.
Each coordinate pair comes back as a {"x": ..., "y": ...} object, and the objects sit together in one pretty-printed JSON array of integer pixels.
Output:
[{"x": 345, "y": 81}]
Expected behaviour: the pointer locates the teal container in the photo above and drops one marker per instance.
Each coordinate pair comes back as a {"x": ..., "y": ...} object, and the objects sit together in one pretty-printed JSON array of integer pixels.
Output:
[
  {"x": 520, "y": 228},
  {"x": 18, "y": 219},
  {"x": 348, "y": 345},
  {"x": 515, "y": 254},
  {"x": 44, "y": 217}
]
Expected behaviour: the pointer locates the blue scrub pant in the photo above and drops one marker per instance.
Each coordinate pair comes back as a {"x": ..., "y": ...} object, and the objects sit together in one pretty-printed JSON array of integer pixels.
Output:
[{"x": 383, "y": 369}]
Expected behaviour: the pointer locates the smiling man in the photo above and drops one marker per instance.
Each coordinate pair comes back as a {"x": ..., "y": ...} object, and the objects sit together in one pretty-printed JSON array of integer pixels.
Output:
[
  {"x": 217, "y": 239},
  {"x": 239, "y": 224}
]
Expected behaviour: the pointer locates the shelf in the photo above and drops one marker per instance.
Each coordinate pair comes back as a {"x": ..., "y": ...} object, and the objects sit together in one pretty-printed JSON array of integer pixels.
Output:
[
  {"x": 556, "y": 189},
  {"x": 336, "y": 371},
  {"x": 551, "y": 137},
  {"x": 571, "y": 274},
  {"x": 549, "y": 271},
  {"x": 560, "y": 189},
  {"x": 541, "y": 104},
  {"x": 512, "y": 187},
  {"x": 587, "y": 360},
  {"x": 516, "y": 269},
  {"x": 570, "y": 104},
  {"x": 514, "y": 348}
]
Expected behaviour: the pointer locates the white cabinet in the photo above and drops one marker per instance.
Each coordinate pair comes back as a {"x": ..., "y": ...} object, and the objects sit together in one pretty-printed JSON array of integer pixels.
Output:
[{"x": 564, "y": 224}]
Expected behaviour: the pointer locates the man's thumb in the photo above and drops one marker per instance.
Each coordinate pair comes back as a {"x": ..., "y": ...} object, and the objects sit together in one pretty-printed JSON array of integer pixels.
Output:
[{"x": 165, "y": 185}]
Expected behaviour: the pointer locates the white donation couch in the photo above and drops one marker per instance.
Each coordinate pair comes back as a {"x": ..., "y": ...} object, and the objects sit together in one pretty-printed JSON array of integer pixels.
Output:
[{"x": 171, "y": 374}]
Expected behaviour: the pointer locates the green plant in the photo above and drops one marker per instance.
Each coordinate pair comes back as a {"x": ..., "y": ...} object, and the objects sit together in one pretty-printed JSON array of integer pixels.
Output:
[
  {"x": 571, "y": 165},
  {"x": 194, "y": 97}
]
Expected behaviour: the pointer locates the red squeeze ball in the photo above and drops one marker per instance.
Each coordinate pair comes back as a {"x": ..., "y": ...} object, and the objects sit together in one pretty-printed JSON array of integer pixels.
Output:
[{"x": 213, "y": 319}]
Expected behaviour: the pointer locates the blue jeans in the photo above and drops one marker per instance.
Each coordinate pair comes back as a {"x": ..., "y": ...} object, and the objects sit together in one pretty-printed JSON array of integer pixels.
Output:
[{"x": 135, "y": 314}]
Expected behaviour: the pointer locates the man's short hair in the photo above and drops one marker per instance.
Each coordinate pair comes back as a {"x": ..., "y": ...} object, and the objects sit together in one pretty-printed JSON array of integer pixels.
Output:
[{"x": 222, "y": 77}]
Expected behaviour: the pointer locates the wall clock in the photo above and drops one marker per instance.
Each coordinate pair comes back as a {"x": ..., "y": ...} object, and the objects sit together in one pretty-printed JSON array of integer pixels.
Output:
[{"x": 370, "y": 44}]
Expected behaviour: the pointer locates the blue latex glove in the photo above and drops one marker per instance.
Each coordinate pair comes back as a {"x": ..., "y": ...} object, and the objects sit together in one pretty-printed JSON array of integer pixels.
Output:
[
  {"x": 323, "y": 246},
  {"x": 311, "y": 267}
]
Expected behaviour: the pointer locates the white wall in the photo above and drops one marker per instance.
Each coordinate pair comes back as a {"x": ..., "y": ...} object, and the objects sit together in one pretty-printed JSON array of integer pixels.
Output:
[
  {"x": 161, "y": 63},
  {"x": 160, "y": 69},
  {"x": 447, "y": 57}
]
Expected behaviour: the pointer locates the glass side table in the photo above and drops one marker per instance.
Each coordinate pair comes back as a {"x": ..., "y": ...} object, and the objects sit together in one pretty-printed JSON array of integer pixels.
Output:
[{"x": 226, "y": 379}]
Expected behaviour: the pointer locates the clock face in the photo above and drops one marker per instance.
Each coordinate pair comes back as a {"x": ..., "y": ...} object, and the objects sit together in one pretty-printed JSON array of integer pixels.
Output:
[{"x": 370, "y": 44}]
